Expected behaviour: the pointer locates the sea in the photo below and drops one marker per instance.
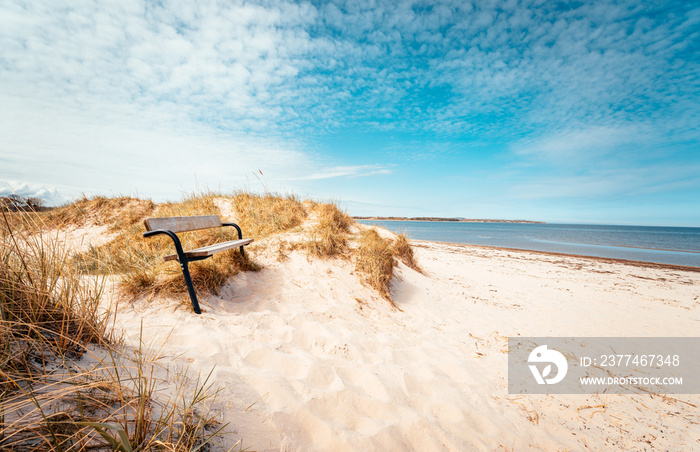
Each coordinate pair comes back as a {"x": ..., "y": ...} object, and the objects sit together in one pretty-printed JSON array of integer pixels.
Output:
[{"x": 667, "y": 245}]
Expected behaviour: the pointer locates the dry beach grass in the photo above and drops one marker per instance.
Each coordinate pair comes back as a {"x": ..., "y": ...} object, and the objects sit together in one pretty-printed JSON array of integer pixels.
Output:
[{"x": 67, "y": 383}]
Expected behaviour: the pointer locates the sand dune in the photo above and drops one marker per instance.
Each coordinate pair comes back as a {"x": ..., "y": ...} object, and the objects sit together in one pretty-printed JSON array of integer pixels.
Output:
[{"x": 327, "y": 364}]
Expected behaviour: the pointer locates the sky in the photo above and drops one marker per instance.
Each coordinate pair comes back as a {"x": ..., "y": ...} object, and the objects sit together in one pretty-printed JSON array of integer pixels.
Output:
[{"x": 565, "y": 112}]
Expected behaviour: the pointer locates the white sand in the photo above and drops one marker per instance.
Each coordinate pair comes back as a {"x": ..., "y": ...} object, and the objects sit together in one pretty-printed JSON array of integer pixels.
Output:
[
  {"x": 328, "y": 365},
  {"x": 81, "y": 238}
]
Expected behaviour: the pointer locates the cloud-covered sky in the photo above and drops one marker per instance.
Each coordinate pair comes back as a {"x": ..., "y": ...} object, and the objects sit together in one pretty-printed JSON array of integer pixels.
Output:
[{"x": 554, "y": 111}]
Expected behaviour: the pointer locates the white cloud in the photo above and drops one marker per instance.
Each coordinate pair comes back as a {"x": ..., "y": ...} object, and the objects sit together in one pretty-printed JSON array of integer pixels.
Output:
[
  {"x": 51, "y": 195},
  {"x": 281, "y": 66},
  {"x": 118, "y": 153},
  {"x": 572, "y": 147},
  {"x": 347, "y": 171},
  {"x": 214, "y": 58},
  {"x": 137, "y": 95}
]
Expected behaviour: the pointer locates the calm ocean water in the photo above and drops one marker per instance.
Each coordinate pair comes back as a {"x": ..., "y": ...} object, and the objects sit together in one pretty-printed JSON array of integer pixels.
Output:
[{"x": 669, "y": 245}]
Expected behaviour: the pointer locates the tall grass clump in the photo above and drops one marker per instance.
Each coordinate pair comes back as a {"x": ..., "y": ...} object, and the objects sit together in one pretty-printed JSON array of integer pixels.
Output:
[
  {"x": 263, "y": 215},
  {"x": 117, "y": 213},
  {"x": 48, "y": 314},
  {"x": 374, "y": 259},
  {"x": 43, "y": 296},
  {"x": 329, "y": 234},
  {"x": 403, "y": 251},
  {"x": 50, "y": 400}
]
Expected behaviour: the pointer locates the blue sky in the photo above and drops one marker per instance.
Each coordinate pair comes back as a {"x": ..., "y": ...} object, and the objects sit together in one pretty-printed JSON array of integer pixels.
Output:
[{"x": 553, "y": 111}]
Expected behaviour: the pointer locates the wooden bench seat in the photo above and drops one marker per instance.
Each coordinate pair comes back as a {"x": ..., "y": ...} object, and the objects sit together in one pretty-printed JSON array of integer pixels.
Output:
[
  {"x": 171, "y": 225},
  {"x": 210, "y": 250}
]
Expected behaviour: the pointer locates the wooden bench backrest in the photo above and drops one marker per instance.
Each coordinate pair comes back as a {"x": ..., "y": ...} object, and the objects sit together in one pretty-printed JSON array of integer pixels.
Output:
[{"x": 182, "y": 224}]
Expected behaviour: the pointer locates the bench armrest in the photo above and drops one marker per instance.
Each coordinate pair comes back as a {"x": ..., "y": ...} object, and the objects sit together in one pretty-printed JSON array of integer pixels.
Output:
[
  {"x": 172, "y": 235},
  {"x": 240, "y": 234}
]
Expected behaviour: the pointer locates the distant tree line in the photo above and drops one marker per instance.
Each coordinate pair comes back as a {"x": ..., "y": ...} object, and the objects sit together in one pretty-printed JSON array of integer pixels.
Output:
[{"x": 17, "y": 203}]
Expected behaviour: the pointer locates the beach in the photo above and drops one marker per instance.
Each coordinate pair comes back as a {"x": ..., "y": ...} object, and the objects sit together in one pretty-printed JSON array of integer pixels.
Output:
[
  {"x": 308, "y": 357},
  {"x": 329, "y": 226}
]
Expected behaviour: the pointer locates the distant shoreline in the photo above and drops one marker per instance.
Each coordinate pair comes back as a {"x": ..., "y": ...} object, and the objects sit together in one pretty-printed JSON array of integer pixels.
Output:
[
  {"x": 455, "y": 220},
  {"x": 607, "y": 260}
]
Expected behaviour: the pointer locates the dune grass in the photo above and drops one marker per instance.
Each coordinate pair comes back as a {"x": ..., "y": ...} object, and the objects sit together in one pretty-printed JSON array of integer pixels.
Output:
[
  {"x": 374, "y": 259},
  {"x": 51, "y": 400},
  {"x": 43, "y": 296},
  {"x": 139, "y": 261},
  {"x": 117, "y": 213},
  {"x": 328, "y": 237},
  {"x": 403, "y": 251},
  {"x": 139, "y": 264},
  {"x": 263, "y": 215}
]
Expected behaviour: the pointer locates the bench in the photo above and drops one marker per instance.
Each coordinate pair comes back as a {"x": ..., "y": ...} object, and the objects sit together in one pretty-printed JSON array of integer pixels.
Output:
[{"x": 171, "y": 225}]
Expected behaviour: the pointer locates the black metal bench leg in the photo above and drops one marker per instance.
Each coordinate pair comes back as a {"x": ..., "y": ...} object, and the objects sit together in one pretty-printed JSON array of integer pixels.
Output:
[
  {"x": 183, "y": 264},
  {"x": 190, "y": 286}
]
